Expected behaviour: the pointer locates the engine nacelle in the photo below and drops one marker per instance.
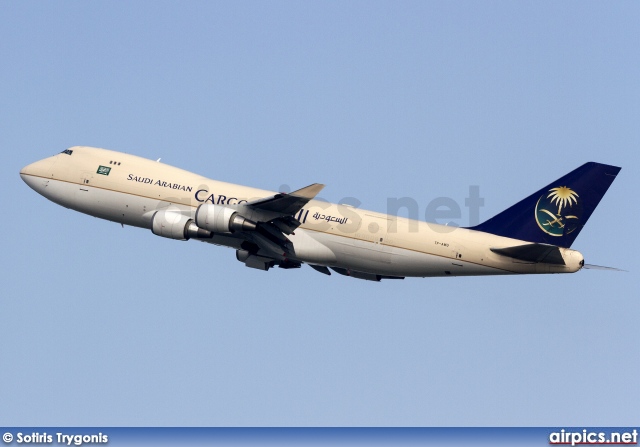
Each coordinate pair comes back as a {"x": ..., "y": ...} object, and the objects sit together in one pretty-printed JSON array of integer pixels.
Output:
[
  {"x": 222, "y": 219},
  {"x": 174, "y": 225}
]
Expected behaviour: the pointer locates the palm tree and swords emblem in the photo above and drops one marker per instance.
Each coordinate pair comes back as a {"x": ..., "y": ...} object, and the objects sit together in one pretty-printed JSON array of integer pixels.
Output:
[{"x": 549, "y": 211}]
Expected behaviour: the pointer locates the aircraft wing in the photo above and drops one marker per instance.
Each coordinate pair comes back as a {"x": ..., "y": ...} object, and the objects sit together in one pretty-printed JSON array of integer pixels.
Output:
[
  {"x": 276, "y": 218},
  {"x": 280, "y": 209}
]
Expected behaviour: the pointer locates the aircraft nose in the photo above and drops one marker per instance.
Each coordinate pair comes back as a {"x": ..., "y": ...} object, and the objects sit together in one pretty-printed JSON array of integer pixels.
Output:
[
  {"x": 40, "y": 168},
  {"x": 26, "y": 171},
  {"x": 35, "y": 173}
]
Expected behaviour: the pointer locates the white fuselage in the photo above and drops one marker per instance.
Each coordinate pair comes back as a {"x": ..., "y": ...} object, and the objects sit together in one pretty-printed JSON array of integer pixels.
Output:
[{"x": 331, "y": 235}]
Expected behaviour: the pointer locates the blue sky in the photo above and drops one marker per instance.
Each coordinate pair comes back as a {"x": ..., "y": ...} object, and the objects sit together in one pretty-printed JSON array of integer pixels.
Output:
[{"x": 102, "y": 325}]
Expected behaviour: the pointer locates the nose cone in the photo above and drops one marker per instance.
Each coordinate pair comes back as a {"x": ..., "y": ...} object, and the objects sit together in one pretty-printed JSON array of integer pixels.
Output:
[
  {"x": 39, "y": 168},
  {"x": 35, "y": 173}
]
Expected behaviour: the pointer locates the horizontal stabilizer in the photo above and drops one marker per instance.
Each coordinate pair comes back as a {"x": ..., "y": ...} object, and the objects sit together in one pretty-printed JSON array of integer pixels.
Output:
[{"x": 548, "y": 254}]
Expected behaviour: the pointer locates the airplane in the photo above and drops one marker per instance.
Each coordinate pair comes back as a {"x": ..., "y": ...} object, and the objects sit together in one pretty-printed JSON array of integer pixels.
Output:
[{"x": 286, "y": 230}]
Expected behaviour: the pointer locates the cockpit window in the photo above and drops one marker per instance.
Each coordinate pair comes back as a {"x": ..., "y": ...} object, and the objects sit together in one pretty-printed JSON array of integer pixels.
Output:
[{"x": 67, "y": 151}]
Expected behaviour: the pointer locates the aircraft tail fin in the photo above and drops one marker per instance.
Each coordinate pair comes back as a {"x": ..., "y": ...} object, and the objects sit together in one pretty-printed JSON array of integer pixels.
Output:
[{"x": 556, "y": 213}]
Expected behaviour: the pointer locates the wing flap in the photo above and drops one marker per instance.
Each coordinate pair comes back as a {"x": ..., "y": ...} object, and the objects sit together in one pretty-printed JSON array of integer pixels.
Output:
[{"x": 286, "y": 224}]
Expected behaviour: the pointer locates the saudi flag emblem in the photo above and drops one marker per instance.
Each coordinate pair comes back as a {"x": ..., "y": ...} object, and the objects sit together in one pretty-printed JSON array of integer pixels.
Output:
[{"x": 104, "y": 170}]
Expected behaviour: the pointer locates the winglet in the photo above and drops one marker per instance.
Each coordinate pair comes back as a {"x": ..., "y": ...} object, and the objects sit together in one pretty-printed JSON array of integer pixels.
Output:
[
  {"x": 308, "y": 192},
  {"x": 287, "y": 204}
]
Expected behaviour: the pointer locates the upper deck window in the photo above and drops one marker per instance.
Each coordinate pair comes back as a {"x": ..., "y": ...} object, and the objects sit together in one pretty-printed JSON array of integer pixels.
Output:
[{"x": 67, "y": 151}]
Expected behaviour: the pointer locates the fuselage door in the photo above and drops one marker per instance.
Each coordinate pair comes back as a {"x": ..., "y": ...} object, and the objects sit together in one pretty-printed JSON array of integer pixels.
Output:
[
  {"x": 457, "y": 254},
  {"x": 85, "y": 179},
  {"x": 83, "y": 194}
]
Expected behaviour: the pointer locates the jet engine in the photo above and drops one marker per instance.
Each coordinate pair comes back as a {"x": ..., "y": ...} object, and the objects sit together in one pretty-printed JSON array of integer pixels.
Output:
[
  {"x": 222, "y": 219},
  {"x": 174, "y": 225}
]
